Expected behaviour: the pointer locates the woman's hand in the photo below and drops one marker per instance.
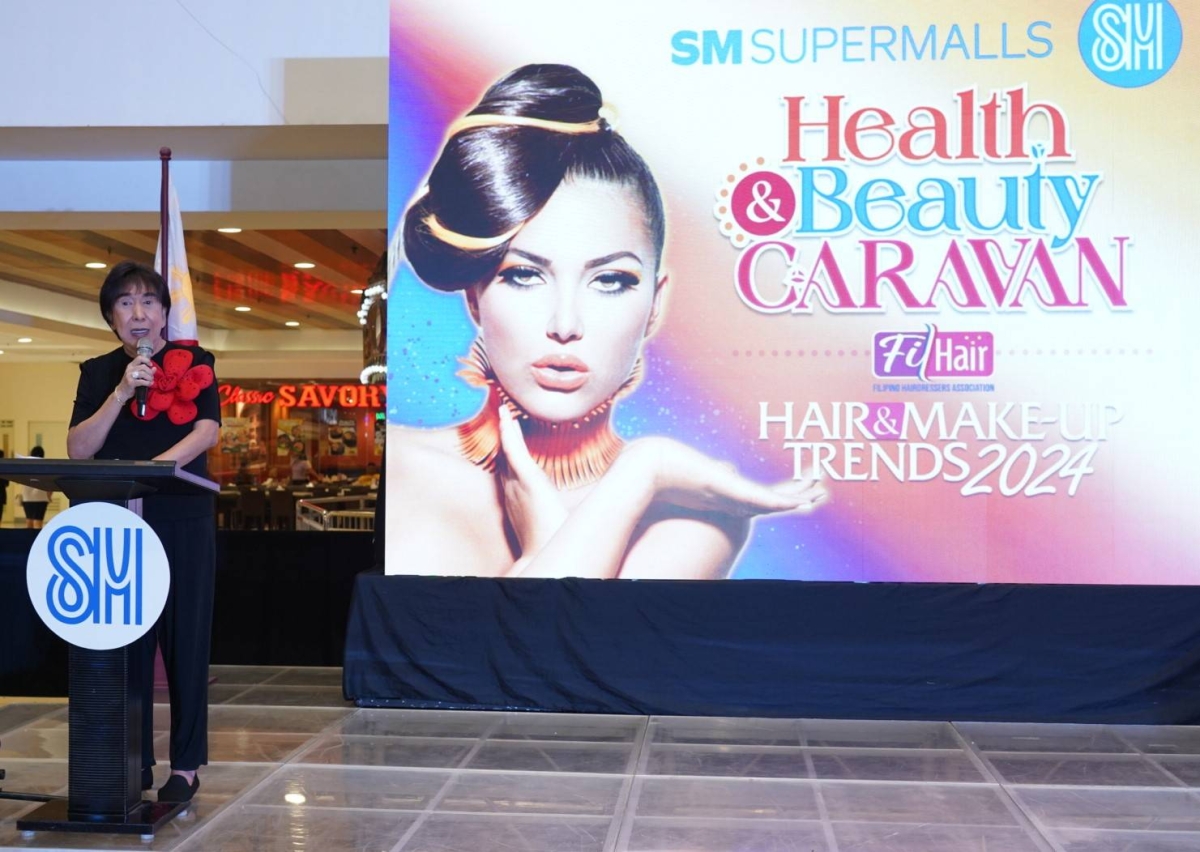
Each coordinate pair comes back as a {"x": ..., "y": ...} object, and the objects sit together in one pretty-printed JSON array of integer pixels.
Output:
[
  {"x": 532, "y": 503},
  {"x": 688, "y": 478},
  {"x": 139, "y": 373}
]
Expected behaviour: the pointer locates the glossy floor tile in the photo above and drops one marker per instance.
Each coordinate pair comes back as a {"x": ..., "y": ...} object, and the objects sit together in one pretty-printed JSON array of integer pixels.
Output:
[
  {"x": 278, "y": 720},
  {"x": 1185, "y": 769},
  {"x": 895, "y": 765},
  {"x": 552, "y": 757},
  {"x": 446, "y": 832},
  {"x": 340, "y": 750},
  {"x": 17, "y": 714},
  {"x": 418, "y": 723},
  {"x": 293, "y": 766},
  {"x": 272, "y": 695},
  {"x": 1002, "y": 736},
  {"x": 727, "y": 798},
  {"x": 245, "y": 674},
  {"x": 1160, "y": 739},
  {"x": 735, "y": 761},
  {"x": 840, "y": 733},
  {"x": 1126, "y": 841},
  {"x": 650, "y": 834},
  {"x": 939, "y": 804},
  {"x": 308, "y": 677},
  {"x": 1081, "y": 770},
  {"x": 538, "y": 794},
  {"x": 1133, "y": 810},
  {"x": 284, "y": 829},
  {"x": 34, "y": 742},
  {"x": 351, "y": 787},
  {"x": 723, "y": 731},
  {"x": 248, "y": 746},
  {"x": 888, "y": 837},
  {"x": 34, "y": 776}
]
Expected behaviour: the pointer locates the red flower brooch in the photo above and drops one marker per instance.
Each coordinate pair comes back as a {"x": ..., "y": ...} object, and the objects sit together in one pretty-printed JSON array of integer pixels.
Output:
[{"x": 174, "y": 388}]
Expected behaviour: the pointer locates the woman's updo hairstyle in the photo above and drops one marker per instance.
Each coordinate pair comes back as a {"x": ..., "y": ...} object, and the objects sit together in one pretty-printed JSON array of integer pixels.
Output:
[{"x": 493, "y": 175}]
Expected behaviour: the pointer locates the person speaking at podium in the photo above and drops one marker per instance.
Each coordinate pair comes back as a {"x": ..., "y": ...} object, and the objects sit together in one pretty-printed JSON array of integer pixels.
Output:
[{"x": 152, "y": 399}]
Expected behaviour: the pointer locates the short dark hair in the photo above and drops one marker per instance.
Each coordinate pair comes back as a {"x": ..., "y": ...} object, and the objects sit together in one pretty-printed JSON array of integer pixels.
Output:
[
  {"x": 491, "y": 179},
  {"x": 38, "y": 452},
  {"x": 128, "y": 272}
]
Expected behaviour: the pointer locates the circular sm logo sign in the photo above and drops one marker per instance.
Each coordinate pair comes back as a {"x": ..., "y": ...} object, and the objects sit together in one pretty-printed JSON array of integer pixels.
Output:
[
  {"x": 1130, "y": 43},
  {"x": 98, "y": 576}
]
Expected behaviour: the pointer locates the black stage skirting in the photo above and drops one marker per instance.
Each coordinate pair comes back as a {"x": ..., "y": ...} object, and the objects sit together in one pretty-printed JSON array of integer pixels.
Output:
[
  {"x": 1067, "y": 653},
  {"x": 281, "y": 599},
  {"x": 770, "y": 648}
]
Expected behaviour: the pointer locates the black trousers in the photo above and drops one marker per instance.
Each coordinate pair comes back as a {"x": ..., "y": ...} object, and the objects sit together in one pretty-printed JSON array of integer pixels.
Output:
[{"x": 184, "y": 631}]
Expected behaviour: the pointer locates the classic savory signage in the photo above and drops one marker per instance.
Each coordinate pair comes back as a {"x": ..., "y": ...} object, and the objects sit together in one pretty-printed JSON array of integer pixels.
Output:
[{"x": 308, "y": 396}]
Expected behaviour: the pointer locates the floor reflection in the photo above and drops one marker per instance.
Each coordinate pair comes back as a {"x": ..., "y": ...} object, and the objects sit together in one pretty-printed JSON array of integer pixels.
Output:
[{"x": 295, "y": 767}]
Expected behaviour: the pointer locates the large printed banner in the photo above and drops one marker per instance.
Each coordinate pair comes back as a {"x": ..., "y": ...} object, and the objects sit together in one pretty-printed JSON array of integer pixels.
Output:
[{"x": 919, "y": 303}]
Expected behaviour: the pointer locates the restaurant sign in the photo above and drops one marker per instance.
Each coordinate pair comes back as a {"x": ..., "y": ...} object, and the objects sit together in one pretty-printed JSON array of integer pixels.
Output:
[{"x": 308, "y": 396}]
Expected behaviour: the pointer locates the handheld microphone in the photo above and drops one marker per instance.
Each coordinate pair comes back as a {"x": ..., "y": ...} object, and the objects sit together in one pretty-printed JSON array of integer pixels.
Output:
[{"x": 145, "y": 350}]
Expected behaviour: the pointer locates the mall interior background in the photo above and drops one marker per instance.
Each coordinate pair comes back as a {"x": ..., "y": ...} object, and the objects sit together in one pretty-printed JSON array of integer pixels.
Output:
[{"x": 276, "y": 113}]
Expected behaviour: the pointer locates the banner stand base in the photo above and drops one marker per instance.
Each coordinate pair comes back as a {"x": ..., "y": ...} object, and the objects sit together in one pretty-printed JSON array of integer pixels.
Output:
[{"x": 145, "y": 818}]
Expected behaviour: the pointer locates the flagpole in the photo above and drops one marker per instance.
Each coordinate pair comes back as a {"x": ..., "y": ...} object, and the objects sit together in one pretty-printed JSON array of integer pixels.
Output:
[
  {"x": 164, "y": 230},
  {"x": 164, "y": 154}
]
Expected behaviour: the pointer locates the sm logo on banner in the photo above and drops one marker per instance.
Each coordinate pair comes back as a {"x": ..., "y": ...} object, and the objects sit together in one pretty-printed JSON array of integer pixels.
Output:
[
  {"x": 1130, "y": 43},
  {"x": 98, "y": 576}
]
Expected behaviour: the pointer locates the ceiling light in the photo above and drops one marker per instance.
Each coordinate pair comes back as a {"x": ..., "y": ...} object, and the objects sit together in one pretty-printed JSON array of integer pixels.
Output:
[
  {"x": 304, "y": 264},
  {"x": 1, "y": 351},
  {"x": 357, "y": 292},
  {"x": 95, "y": 264},
  {"x": 229, "y": 230},
  {"x": 242, "y": 309},
  {"x": 24, "y": 340},
  {"x": 292, "y": 324}
]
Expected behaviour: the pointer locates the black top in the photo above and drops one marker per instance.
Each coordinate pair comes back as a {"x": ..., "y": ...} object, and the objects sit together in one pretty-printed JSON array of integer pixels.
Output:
[{"x": 134, "y": 439}]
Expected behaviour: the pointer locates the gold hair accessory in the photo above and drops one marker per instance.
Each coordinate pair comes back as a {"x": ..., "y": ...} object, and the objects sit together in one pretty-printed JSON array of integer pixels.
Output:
[
  {"x": 572, "y": 453},
  {"x": 464, "y": 241},
  {"x": 574, "y": 128}
]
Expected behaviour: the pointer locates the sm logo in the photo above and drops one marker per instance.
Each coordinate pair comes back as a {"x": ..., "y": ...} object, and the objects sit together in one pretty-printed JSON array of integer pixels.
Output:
[
  {"x": 1132, "y": 43},
  {"x": 689, "y": 47},
  {"x": 98, "y": 576}
]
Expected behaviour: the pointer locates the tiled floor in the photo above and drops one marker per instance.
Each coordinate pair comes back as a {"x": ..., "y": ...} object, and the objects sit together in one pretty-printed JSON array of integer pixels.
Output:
[{"x": 296, "y": 768}]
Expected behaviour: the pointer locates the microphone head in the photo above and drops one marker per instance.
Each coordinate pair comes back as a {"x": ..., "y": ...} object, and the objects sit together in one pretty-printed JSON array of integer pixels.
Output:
[{"x": 144, "y": 348}]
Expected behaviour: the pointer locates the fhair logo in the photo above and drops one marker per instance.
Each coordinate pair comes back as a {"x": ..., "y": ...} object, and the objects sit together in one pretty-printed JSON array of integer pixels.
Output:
[
  {"x": 98, "y": 576},
  {"x": 1130, "y": 44},
  {"x": 933, "y": 354}
]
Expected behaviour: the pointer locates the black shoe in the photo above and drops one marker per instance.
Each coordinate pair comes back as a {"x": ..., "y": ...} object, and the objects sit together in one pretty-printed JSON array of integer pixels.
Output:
[
  {"x": 178, "y": 790},
  {"x": 147, "y": 778}
]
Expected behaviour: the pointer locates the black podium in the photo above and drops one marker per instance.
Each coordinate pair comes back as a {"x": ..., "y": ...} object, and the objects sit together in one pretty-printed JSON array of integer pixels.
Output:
[{"x": 104, "y": 793}]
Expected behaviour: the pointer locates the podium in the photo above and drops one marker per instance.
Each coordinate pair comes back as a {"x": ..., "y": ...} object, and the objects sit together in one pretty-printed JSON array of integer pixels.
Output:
[{"x": 104, "y": 793}]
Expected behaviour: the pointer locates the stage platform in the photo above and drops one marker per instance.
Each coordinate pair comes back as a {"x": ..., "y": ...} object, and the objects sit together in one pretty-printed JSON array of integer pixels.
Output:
[{"x": 295, "y": 767}]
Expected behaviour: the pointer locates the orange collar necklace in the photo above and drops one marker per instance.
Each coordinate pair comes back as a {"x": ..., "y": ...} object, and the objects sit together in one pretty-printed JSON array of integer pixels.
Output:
[{"x": 572, "y": 453}]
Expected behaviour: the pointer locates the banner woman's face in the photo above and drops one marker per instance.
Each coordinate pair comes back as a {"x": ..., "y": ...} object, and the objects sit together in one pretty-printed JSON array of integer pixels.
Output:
[{"x": 565, "y": 316}]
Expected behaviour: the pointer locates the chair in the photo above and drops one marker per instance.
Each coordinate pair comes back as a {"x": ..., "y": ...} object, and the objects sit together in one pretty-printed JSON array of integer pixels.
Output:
[
  {"x": 252, "y": 506},
  {"x": 227, "y": 510},
  {"x": 283, "y": 510}
]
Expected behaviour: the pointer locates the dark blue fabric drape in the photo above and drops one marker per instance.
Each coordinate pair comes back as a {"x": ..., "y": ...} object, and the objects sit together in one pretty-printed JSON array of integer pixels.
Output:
[{"x": 767, "y": 648}]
